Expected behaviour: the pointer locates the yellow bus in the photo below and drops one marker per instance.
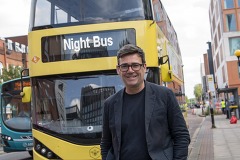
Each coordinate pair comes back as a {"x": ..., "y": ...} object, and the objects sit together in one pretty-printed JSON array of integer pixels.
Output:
[{"x": 72, "y": 56}]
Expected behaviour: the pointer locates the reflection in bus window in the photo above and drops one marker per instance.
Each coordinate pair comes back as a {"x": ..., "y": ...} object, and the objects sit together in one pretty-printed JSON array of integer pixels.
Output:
[
  {"x": 16, "y": 114},
  {"x": 69, "y": 106}
]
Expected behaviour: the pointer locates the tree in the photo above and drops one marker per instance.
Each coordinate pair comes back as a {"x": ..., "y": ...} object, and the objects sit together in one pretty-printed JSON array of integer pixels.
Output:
[
  {"x": 10, "y": 73},
  {"x": 186, "y": 99},
  {"x": 198, "y": 92}
]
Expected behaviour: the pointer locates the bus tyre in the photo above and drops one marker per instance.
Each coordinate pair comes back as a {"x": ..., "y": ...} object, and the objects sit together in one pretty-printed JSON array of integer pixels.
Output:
[{"x": 31, "y": 153}]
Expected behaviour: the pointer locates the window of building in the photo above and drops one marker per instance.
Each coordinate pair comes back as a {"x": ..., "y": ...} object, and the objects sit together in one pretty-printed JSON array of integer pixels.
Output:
[
  {"x": 217, "y": 59},
  {"x": 214, "y": 24},
  {"x": 217, "y": 10},
  {"x": 234, "y": 44},
  {"x": 219, "y": 33},
  {"x": 221, "y": 52},
  {"x": 214, "y": 66},
  {"x": 228, "y": 4},
  {"x": 231, "y": 22},
  {"x": 156, "y": 11},
  {"x": 215, "y": 42},
  {"x": 223, "y": 75}
]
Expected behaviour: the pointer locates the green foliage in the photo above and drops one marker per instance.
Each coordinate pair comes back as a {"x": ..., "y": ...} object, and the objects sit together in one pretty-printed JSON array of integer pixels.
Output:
[
  {"x": 10, "y": 73},
  {"x": 192, "y": 100},
  {"x": 198, "y": 92},
  {"x": 186, "y": 99}
]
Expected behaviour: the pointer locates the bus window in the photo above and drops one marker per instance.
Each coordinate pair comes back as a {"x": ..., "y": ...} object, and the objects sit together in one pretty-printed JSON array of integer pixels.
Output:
[
  {"x": 59, "y": 13},
  {"x": 68, "y": 106},
  {"x": 16, "y": 114}
]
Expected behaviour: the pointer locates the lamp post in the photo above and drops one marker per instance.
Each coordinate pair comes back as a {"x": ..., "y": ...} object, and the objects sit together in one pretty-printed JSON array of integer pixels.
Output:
[
  {"x": 237, "y": 54},
  {"x": 183, "y": 87}
]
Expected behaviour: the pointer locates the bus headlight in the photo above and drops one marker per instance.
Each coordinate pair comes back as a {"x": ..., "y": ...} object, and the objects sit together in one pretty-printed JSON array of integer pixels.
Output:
[
  {"x": 43, "y": 150},
  {"x": 49, "y": 155},
  {"x": 38, "y": 147},
  {"x": 6, "y": 138}
]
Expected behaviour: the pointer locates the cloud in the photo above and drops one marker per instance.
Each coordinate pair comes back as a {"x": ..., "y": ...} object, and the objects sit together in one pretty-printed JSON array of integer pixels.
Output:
[{"x": 14, "y": 15}]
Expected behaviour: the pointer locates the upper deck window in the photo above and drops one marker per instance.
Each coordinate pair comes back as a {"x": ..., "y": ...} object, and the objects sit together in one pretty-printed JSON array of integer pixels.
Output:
[{"x": 56, "y": 13}]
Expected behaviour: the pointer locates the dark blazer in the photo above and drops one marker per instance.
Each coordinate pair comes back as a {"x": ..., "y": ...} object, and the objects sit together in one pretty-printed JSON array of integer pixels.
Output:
[{"x": 166, "y": 133}]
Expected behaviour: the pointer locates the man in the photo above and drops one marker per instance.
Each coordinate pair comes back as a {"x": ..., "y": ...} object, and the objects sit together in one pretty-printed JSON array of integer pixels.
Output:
[
  {"x": 223, "y": 105},
  {"x": 143, "y": 121},
  {"x": 227, "y": 109}
]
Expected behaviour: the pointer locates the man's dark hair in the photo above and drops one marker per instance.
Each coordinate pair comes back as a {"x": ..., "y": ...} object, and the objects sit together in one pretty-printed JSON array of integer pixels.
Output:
[{"x": 130, "y": 49}]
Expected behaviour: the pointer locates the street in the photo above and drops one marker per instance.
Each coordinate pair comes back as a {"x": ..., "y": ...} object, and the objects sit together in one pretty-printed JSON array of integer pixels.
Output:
[
  {"x": 194, "y": 122},
  {"x": 15, "y": 156}
]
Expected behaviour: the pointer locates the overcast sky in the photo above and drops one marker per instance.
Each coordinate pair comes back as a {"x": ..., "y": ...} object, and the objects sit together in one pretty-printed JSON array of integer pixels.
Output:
[
  {"x": 191, "y": 22},
  {"x": 189, "y": 19},
  {"x": 14, "y": 17}
]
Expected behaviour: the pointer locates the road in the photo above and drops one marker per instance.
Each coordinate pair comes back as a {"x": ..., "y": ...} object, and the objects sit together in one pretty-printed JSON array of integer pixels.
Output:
[
  {"x": 15, "y": 156},
  {"x": 194, "y": 122}
]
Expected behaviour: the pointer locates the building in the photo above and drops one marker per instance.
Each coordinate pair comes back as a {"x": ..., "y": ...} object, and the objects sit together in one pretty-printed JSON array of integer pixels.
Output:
[
  {"x": 224, "y": 16},
  {"x": 13, "y": 51}
]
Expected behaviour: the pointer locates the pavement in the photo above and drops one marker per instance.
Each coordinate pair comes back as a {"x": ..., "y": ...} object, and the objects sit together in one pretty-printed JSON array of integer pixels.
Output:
[
  {"x": 215, "y": 142},
  {"x": 1, "y": 148}
]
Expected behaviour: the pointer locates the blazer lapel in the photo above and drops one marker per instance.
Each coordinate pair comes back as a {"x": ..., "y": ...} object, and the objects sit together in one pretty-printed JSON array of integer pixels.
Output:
[
  {"x": 149, "y": 105},
  {"x": 118, "y": 115}
]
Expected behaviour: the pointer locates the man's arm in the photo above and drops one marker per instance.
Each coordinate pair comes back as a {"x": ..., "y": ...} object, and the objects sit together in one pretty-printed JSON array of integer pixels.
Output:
[
  {"x": 106, "y": 140},
  {"x": 178, "y": 129}
]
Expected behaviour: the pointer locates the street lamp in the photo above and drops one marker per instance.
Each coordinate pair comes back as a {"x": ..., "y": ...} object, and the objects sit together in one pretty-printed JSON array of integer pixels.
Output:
[
  {"x": 183, "y": 86},
  {"x": 237, "y": 54}
]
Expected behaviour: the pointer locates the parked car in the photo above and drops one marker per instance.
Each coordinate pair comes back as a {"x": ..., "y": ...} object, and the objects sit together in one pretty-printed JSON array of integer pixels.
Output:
[{"x": 197, "y": 105}]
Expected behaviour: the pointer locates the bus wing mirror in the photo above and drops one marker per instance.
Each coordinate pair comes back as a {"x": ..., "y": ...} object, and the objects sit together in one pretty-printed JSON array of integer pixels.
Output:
[
  {"x": 26, "y": 94},
  {"x": 25, "y": 72},
  {"x": 166, "y": 68},
  {"x": 166, "y": 73},
  {"x": 162, "y": 60}
]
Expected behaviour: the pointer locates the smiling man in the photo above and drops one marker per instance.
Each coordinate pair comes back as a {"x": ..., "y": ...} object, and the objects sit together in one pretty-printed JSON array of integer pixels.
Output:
[{"x": 142, "y": 121}]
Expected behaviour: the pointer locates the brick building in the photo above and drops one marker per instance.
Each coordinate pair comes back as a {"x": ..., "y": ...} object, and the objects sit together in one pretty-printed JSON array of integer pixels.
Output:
[
  {"x": 13, "y": 51},
  {"x": 224, "y": 18}
]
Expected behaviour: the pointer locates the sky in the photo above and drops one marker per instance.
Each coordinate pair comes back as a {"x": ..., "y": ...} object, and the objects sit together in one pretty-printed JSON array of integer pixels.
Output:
[
  {"x": 190, "y": 20},
  {"x": 188, "y": 17},
  {"x": 14, "y": 17}
]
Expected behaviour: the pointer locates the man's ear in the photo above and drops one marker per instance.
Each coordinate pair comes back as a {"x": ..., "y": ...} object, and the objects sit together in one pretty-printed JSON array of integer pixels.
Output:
[
  {"x": 145, "y": 66},
  {"x": 117, "y": 68}
]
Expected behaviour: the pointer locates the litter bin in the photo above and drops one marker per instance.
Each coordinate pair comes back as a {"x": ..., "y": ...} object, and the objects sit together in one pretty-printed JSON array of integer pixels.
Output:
[{"x": 235, "y": 110}]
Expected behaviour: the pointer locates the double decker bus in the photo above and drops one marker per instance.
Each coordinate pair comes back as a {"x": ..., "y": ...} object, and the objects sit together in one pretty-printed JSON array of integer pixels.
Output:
[
  {"x": 72, "y": 52},
  {"x": 16, "y": 117}
]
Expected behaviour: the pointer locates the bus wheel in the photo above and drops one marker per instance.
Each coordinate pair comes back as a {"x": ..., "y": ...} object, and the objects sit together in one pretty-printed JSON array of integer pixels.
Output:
[{"x": 31, "y": 153}]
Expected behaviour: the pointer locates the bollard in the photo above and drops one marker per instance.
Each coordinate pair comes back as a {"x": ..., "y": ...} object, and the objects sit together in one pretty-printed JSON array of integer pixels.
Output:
[
  {"x": 212, "y": 117},
  {"x": 233, "y": 119}
]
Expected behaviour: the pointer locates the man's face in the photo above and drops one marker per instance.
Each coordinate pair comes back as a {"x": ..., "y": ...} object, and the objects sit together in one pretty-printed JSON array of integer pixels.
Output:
[{"x": 133, "y": 78}]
